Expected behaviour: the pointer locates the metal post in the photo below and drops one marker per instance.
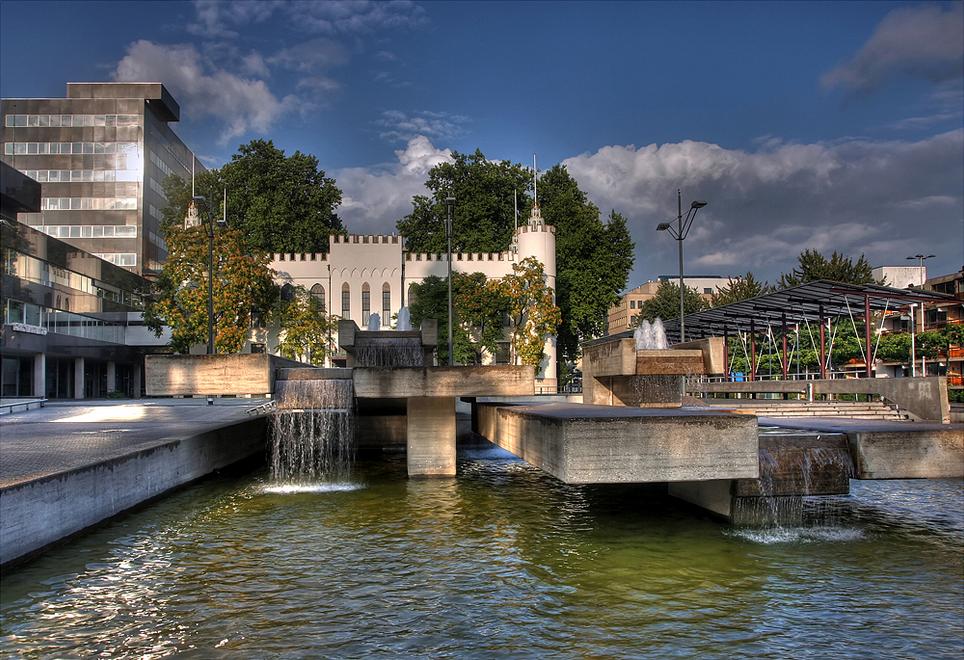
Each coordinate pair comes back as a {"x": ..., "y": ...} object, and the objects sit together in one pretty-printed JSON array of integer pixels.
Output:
[
  {"x": 679, "y": 220},
  {"x": 726, "y": 354},
  {"x": 448, "y": 231},
  {"x": 870, "y": 370},
  {"x": 783, "y": 363},
  {"x": 823, "y": 346},
  {"x": 913, "y": 342},
  {"x": 752, "y": 352},
  {"x": 210, "y": 284}
]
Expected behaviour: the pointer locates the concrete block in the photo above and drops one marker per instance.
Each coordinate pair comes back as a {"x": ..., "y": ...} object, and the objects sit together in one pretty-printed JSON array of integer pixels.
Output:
[
  {"x": 403, "y": 382},
  {"x": 431, "y": 436},
  {"x": 933, "y": 453},
  {"x": 715, "y": 496},
  {"x": 201, "y": 375},
  {"x": 583, "y": 444}
]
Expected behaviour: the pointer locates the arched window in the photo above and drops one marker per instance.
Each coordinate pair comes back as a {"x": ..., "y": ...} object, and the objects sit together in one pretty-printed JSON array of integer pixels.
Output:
[
  {"x": 386, "y": 303},
  {"x": 411, "y": 294},
  {"x": 345, "y": 301},
  {"x": 366, "y": 304},
  {"x": 318, "y": 293}
]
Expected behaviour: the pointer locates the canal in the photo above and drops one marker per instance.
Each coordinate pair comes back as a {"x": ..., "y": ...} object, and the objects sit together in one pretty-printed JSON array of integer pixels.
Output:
[{"x": 501, "y": 560}]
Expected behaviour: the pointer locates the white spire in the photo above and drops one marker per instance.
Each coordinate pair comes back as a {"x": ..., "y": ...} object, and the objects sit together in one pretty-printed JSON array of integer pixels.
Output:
[{"x": 535, "y": 218}]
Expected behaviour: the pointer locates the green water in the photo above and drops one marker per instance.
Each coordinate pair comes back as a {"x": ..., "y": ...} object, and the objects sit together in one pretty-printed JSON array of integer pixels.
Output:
[{"x": 501, "y": 561}]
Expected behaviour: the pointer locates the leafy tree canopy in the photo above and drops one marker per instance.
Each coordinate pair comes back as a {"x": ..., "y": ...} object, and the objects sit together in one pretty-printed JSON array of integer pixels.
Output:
[
  {"x": 534, "y": 315},
  {"x": 593, "y": 259},
  {"x": 811, "y": 265},
  {"x": 307, "y": 329},
  {"x": 483, "y": 217},
  {"x": 742, "y": 288},
  {"x": 665, "y": 304}
]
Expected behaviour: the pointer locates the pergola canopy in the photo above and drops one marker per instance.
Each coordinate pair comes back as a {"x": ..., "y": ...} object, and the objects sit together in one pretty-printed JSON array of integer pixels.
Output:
[{"x": 810, "y": 302}]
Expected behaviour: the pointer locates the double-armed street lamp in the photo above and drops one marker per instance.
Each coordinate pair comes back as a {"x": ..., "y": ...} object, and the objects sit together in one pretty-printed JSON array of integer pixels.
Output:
[
  {"x": 450, "y": 203},
  {"x": 920, "y": 258},
  {"x": 679, "y": 232},
  {"x": 202, "y": 201}
]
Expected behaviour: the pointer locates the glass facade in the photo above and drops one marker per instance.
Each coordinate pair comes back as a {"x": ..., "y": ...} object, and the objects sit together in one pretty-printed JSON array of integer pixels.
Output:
[{"x": 102, "y": 153}]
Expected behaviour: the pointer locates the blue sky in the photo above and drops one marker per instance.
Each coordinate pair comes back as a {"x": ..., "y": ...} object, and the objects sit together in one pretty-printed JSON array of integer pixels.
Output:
[{"x": 803, "y": 124}]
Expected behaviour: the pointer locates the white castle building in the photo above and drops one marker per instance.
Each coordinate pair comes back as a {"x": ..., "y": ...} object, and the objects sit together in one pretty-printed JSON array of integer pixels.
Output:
[{"x": 362, "y": 275}]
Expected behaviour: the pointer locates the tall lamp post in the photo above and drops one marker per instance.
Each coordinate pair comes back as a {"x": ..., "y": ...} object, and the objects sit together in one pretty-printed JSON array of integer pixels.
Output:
[
  {"x": 679, "y": 232},
  {"x": 450, "y": 203},
  {"x": 921, "y": 258},
  {"x": 200, "y": 200}
]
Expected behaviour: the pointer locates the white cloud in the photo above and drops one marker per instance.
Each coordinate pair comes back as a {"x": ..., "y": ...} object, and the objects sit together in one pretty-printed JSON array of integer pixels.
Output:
[
  {"x": 313, "y": 55},
  {"x": 924, "y": 41},
  {"x": 402, "y": 127},
  {"x": 204, "y": 90},
  {"x": 373, "y": 199},
  {"x": 253, "y": 64},
  {"x": 765, "y": 206}
]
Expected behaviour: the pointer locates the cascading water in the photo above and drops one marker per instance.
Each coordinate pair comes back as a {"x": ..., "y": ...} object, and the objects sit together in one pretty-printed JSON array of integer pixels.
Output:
[
  {"x": 312, "y": 432},
  {"x": 390, "y": 352}
]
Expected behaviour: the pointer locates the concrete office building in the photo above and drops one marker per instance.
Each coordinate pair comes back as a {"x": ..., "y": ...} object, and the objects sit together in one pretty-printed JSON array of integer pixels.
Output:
[
  {"x": 71, "y": 322},
  {"x": 622, "y": 315},
  {"x": 102, "y": 154},
  {"x": 362, "y": 275}
]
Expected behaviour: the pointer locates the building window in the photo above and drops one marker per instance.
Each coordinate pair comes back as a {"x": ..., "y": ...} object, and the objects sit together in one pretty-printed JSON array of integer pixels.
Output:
[
  {"x": 386, "y": 303},
  {"x": 318, "y": 293},
  {"x": 366, "y": 304},
  {"x": 345, "y": 301},
  {"x": 708, "y": 290},
  {"x": 88, "y": 203}
]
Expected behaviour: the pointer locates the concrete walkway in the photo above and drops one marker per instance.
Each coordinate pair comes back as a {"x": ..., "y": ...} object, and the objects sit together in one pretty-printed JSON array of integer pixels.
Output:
[
  {"x": 66, "y": 436},
  {"x": 73, "y": 464}
]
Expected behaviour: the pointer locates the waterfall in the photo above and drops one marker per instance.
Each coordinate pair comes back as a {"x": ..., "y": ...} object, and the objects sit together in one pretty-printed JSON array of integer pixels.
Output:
[
  {"x": 390, "y": 352},
  {"x": 312, "y": 431}
]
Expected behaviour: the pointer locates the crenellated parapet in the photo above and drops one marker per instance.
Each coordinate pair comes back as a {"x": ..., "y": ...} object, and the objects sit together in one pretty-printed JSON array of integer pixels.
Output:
[
  {"x": 460, "y": 256},
  {"x": 299, "y": 256},
  {"x": 365, "y": 239}
]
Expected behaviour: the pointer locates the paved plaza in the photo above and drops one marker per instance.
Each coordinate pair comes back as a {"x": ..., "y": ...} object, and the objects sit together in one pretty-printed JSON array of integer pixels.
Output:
[{"x": 68, "y": 435}]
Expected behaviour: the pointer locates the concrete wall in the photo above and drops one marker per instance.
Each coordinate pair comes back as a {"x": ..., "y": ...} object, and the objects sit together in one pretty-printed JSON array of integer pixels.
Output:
[
  {"x": 37, "y": 513},
  {"x": 927, "y": 454},
  {"x": 405, "y": 382},
  {"x": 924, "y": 398},
  {"x": 199, "y": 375},
  {"x": 597, "y": 444},
  {"x": 431, "y": 436}
]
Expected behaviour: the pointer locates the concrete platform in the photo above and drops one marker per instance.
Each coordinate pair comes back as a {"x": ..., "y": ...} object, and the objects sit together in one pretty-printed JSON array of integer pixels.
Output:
[
  {"x": 892, "y": 450},
  {"x": 69, "y": 466},
  {"x": 583, "y": 444}
]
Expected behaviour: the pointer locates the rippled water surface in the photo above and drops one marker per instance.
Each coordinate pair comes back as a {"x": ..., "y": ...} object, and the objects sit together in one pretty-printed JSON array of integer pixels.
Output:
[{"x": 502, "y": 560}]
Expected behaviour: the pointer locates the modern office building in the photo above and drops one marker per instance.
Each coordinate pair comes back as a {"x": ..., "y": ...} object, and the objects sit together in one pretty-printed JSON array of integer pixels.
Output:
[
  {"x": 622, "y": 315},
  {"x": 102, "y": 153},
  {"x": 71, "y": 322}
]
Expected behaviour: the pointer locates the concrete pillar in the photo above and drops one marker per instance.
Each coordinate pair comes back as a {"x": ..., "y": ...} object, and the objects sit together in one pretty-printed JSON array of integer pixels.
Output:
[
  {"x": 716, "y": 496},
  {"x": 40, "y": 375},
  {"x": 111, "y": 376},
  {"x": 136, "y": 381},
  {"x": 79, "y": 392},
  {"x": 431, "y": 436}
]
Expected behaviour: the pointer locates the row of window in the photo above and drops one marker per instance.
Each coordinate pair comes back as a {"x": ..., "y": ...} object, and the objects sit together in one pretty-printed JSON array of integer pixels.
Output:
[
  {"x": 160, "y": 164},
  {"x": 68, "y": 176},
  {"x": 63, "y": 323},
  {"x": 157, "y": 240},
  {"x": 54, "y": 148},
  {"x": 118, "y": 258},
  {"x": 88, "y": 203},
  {"x": 318, "y": 293},
  {"x": 71, "y": 121},
  {"x": 89, "y": 231},
  {"x": 32, "y": 269},
  {"x": 158, "y": 188}
]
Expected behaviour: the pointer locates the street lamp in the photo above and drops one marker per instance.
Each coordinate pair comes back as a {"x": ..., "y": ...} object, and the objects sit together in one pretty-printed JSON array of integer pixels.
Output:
[
  {"x": 679, "y": 233},
  {"x": 450, "y": 203},
  {"x": 200, "y": 200},
  {"x": 921, "y": 258}
]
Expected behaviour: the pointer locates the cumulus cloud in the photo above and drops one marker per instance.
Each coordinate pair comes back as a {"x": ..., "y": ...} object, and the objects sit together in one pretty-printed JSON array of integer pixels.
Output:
[
  {"x": 241, "y": 104},
  {"x": 373, "y": 199},
  {"x": 401, "y": 126},
  {"x": 312, "y": 55},
  {"x": 882, "y": 198},
  {"x": 924, "y": 41}
]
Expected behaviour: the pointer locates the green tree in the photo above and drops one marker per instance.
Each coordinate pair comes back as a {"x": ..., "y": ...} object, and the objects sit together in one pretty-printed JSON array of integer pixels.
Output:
[
  {"x": 534, "y": 315},
  {"x": 481, "y": 311},
  {"x": 665, "y": 304},
  {"x": 742, "y": 288},
  {"x": 280, "y": 203},
  {"x": 593, "y": 259},
  {"x": 243, "y": 283},
  {"x": 305, "y": 327},
  {"x": 483, "y": 218},
  {"x": 429, "y": 300},
  {"x": 811, "y": 265}
]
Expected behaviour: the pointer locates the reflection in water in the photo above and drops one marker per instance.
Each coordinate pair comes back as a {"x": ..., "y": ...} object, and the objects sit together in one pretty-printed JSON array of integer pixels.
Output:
[{"x": 501, "y": 560}]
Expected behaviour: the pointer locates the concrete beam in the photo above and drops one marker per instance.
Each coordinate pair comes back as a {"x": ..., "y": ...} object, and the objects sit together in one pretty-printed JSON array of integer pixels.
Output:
[
  {"x": 404, "y": 382},
  {"x": 431, "y": 436},
  {"x": 925, "y": 454},
  {"x": 40, "y": 375},
  {"x": 79, "y": 390},
  {"x": 583, "y": 444}
]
